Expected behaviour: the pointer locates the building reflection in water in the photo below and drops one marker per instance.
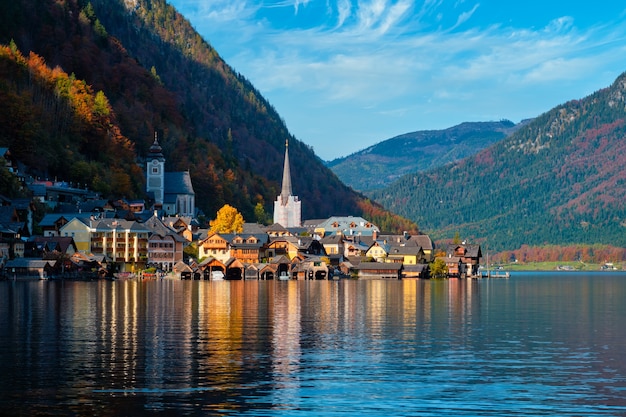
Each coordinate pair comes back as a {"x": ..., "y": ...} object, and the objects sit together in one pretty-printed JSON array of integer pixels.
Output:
[{"x": 286, "y": 350}]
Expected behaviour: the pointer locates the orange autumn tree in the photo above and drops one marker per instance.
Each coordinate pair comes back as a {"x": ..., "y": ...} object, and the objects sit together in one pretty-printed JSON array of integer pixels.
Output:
[{"x": 228, "y": 220}]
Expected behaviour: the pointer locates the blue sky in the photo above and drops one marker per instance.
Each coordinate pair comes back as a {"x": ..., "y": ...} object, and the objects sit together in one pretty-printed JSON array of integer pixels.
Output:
[{"x": 346, "y": 74}]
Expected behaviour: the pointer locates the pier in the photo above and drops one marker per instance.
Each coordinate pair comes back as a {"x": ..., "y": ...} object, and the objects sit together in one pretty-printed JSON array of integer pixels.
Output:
[{"x": 494, "y": 274}]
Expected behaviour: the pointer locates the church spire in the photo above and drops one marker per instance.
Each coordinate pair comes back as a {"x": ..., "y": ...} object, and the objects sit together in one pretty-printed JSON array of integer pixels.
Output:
[
  {"x": 286, "y": 189},
  {"x": 287, "y": 207}
]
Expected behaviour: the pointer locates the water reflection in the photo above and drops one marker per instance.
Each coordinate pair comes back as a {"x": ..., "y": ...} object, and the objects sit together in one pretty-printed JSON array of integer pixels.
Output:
[{"x": 533, "y": 344}]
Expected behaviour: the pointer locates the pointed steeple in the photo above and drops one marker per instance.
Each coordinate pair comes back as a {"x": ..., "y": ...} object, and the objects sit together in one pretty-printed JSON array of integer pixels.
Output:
[{"x": 286, "y": 189}]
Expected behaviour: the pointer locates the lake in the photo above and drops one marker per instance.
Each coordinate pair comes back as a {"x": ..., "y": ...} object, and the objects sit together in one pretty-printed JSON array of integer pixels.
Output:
[{"x": 534, "y": 344}]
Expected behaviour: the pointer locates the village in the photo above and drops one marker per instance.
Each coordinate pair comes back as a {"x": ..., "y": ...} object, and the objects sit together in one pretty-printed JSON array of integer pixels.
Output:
[{"x": 85, "y": 237}]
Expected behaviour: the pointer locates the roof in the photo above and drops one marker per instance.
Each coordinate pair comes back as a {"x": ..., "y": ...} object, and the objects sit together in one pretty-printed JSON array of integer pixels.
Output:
[
  {"x": 177, "y": 183},
  {"x": 119, "y": 224},
  {"x": 405, "y": 250},
  {"x": 415, "y": 268},
  {"x": 379, "y": 266},
  {"x": 252, "y": 228},
  {"x": 29, "y": 263},
  {"x": 52, "y": 243},
  {"x": 50, "y": 219},
  {"x": 332, "y": 239},
  {"x": 261, "y": 239},
  {"x": 348, "y": 225},
  {"x": 158, "y": 227},
  {"x": 423, "y": 240}
]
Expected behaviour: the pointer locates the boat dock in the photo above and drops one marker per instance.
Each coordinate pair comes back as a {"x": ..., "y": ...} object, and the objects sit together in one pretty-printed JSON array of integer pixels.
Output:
[{"x": 494, "y": 274}]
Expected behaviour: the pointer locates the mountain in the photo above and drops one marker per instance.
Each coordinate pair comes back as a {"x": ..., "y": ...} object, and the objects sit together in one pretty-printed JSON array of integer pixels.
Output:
[
  {"x": 85, "y": 85},
  {"x": 558, "y": 180},
  {"x": 380, "y": 165}
]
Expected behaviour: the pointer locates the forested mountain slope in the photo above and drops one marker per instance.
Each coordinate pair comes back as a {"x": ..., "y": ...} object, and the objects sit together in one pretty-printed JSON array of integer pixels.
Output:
[
  {"x": 381, "y": 164},
  {"x": 156, "y": 74},
  {"x": 558, "y": 180}
]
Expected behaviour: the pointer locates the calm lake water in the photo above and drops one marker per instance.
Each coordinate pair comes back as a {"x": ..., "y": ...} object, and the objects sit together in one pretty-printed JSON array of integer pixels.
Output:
[{"x": 534, "y": 344}]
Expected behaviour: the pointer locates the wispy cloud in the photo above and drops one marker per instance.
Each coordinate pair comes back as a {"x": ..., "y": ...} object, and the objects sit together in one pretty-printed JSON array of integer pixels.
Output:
[{"x": 385, "y": 55}]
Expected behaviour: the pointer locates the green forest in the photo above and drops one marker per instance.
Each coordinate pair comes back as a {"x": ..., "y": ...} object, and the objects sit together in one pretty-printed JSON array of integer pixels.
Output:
[{"x": 558, "y": 180}]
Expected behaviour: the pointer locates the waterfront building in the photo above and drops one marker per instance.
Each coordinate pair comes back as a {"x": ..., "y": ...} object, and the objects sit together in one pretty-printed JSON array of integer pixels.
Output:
[
  {"x": 165, "y": 245},
  {"x": 215, "y": 246},
  {"x": 124, "y": 242},
  {"x": 79, "y": 229},
  {"x": 287, "y": 207}
]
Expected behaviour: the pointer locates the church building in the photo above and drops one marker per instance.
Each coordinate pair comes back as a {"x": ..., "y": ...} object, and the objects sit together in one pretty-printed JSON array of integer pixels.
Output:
[
  {"x": 287, "y": 207},
  {"x": 172, "y": 191}
]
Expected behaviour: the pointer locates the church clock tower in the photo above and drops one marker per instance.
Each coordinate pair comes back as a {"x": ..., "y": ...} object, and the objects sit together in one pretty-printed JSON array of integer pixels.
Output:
[{"x": 155, "y": 172}]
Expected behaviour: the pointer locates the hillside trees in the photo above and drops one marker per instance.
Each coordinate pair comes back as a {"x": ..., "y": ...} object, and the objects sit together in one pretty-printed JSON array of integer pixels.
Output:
[
  {"x": 55, "y": 122},
  {"x": 227, "y": 220},
  {"x": 157, "y": 74},
  {"x": 557, "y": 180}
]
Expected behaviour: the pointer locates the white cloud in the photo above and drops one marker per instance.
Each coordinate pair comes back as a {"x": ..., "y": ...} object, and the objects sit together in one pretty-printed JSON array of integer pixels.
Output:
[
  {"x": 344, "y": 10},
  {"x": 385, "y": 56},
  {"x": 465, "y": 16}
]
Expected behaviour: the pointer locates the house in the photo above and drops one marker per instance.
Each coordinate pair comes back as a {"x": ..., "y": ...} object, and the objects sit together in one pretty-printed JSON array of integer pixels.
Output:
[
  {"x": 234, "y": 269},
  {"x": 251, "y": 271},
  {"x": 310, "y": 267},
  {"x": 469, "y": 258},
  {"x": 55, "y": 193},
  {"x": 165, "y": 246},
  {"x": 55, "y": 247},
  {"x": 125, "y": 242},
  {"x": 333, "y": 244},
  {"x": 249, "y": 248},
  {"x": 283, "y": 246},
  {"x": 52, "y": 223},
  {"x": 453, "y": 263},
  {"x": 419, "y": 271},
  {"x": 355, "y": 248},
  {"x": 181, "y": 225},
  {"x": 425, "y": 243},
  {"x": 281, "y": 266},
  {"x": 215, "y": 245},
  {"x": 210, "y": 265},
  {"x": 378, "y": 270},
  {"x": 79, "y": 229},
  {"x": 277, "y": 230},
  {"x": 291, "y": 246},
  {"x": 183, "y": 271},
  {"x": 310, "y": 246},
  {"x": 407, "y": 255},
  {"x": 347, "y": 226},
  {"x": 378, "y": 250},
  {"x": 29, "y": 268},
  {"x": 165, "y": 251}
]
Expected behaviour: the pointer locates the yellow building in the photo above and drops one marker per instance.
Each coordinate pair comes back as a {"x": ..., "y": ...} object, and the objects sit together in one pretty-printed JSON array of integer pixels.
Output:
[
  {"x": 79, "y": 229},
  {"x": 125, "y": 242}
]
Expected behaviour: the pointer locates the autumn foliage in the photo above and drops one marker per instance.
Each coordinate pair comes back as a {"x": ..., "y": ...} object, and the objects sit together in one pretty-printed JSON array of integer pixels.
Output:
[
  {"x": 228, "y": 220},
  {"x": 554, "y": 253}
]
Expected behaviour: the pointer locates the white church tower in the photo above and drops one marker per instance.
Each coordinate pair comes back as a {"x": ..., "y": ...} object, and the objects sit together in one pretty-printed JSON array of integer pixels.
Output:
[
  {"x": 155, "y": 172},
  {"x": 287, "y": 208}
]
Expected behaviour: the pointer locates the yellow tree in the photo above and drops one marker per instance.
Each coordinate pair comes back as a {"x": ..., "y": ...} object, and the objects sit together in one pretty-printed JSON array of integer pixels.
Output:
[{"x": 228, "y": 220}]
